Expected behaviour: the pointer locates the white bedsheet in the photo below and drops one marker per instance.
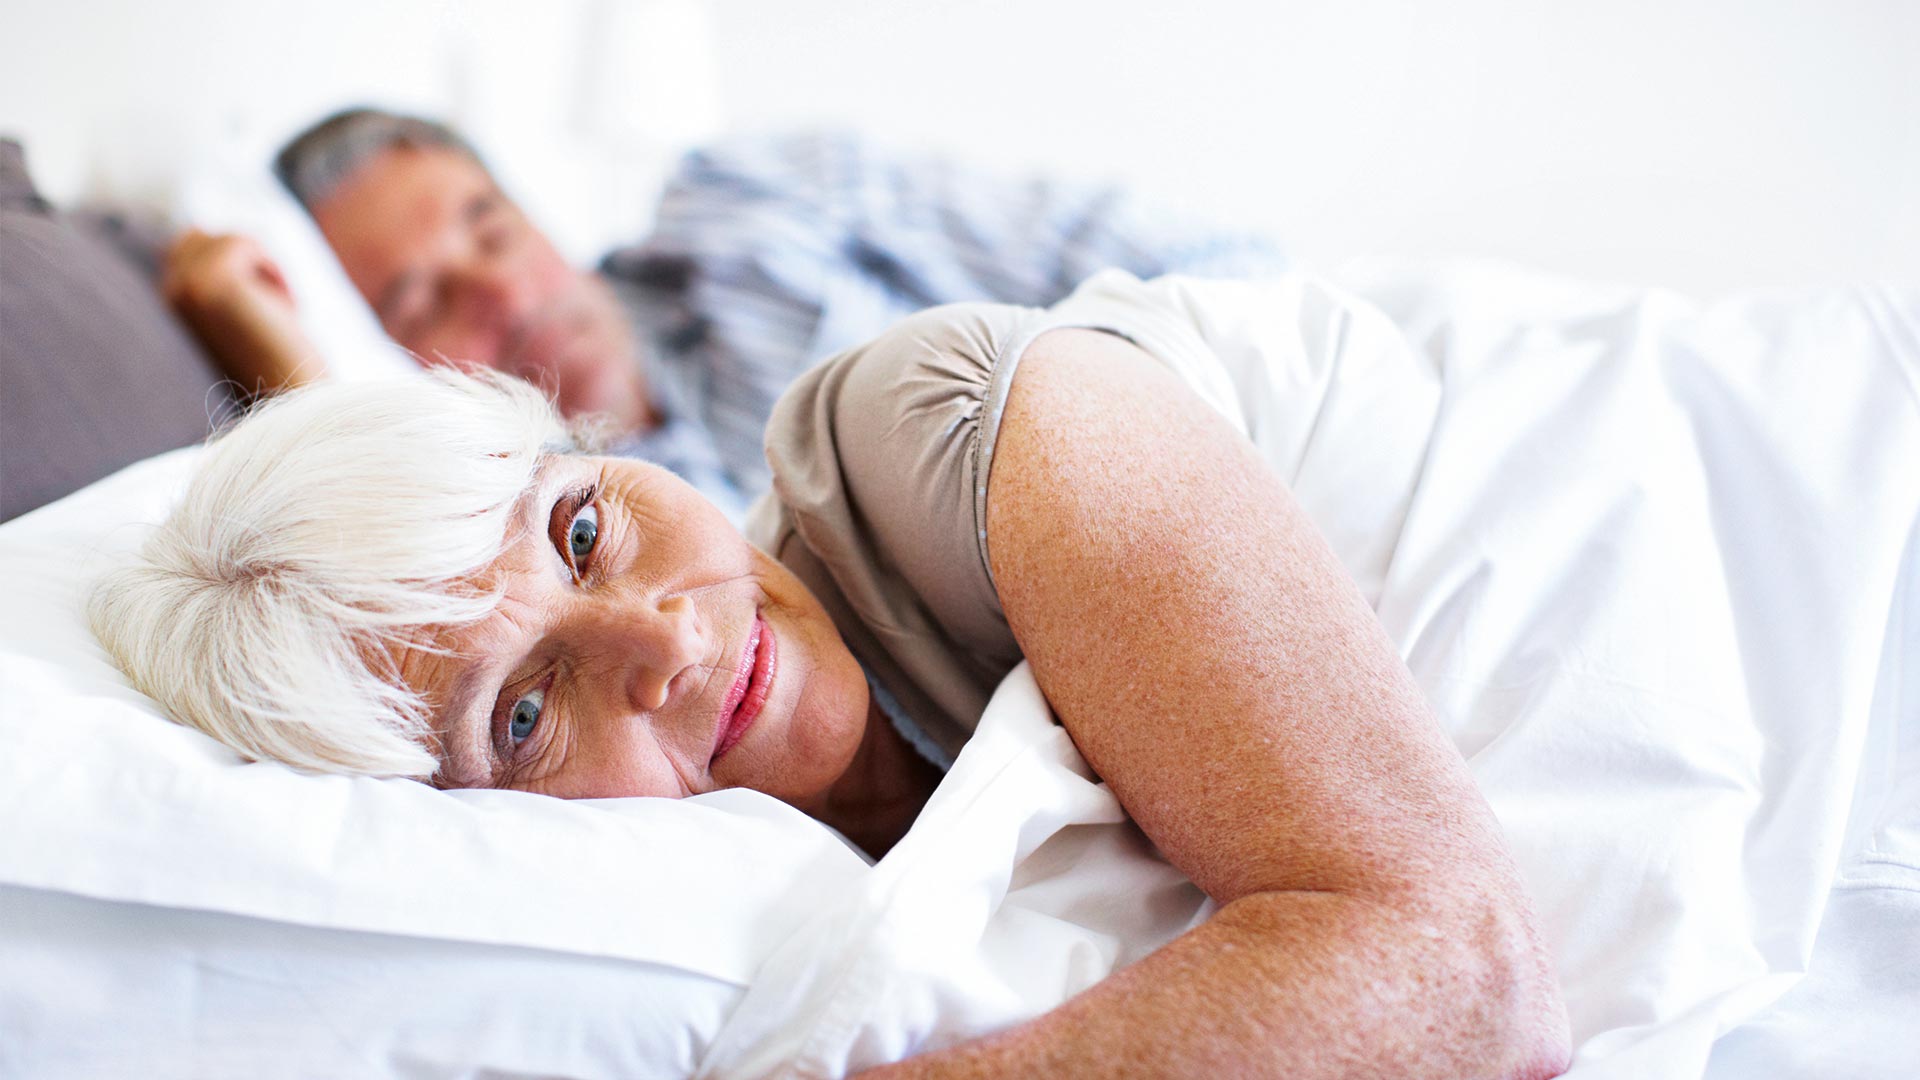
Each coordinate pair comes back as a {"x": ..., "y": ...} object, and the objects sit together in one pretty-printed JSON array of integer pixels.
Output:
[
  {"x": 1652, "y": 576},
  {"x": 1646, "y": 557}
]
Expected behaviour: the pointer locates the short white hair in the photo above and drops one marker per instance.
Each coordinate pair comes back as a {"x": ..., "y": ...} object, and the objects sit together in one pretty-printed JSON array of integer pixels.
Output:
[{"x": 332, "y": 524}]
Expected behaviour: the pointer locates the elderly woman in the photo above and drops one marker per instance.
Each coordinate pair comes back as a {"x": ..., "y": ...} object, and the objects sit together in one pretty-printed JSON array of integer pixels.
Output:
[{"x": 427, "y": 580}]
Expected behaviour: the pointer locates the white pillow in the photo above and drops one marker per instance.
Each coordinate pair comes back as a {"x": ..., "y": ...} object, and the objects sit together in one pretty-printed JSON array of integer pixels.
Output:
[
  {"x": 676, "y": 902},
  {"x": 93, "y": 988},
  {"x": 587, "y": 198},
  {"x": 233, "y": 190}
]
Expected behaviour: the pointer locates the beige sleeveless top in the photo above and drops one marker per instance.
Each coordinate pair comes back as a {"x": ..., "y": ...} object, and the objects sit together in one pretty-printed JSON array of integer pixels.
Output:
[{"x": 882, "y": 457}]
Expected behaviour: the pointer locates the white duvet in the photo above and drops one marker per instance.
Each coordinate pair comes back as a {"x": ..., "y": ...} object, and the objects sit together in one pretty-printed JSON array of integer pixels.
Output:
[{"x": 1656, "y": 564}]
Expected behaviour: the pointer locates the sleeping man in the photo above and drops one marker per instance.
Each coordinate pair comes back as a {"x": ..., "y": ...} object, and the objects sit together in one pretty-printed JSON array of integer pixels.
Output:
[{"x": 766, "y": 256}]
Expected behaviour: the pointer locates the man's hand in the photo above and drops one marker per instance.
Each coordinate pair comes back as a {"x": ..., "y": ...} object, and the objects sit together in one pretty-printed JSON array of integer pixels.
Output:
[{"x": 238, "y": 303}]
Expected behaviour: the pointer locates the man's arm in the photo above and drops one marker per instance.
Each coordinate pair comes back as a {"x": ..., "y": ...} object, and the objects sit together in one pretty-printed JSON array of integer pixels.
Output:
[
  {"x": 238, "y": 304},
  {"x": 1218, "y": 668}
]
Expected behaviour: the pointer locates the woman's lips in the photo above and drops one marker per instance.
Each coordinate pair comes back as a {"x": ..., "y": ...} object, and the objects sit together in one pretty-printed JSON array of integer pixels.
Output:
[{"x": 749, "y": 691}]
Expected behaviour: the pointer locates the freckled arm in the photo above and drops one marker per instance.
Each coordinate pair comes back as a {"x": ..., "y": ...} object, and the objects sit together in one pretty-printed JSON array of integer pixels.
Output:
[{"x": 1219, "y": 669}]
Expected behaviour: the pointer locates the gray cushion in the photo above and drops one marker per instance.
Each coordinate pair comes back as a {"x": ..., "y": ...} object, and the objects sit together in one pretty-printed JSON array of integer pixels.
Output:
[{"x": 95, "y": 372}]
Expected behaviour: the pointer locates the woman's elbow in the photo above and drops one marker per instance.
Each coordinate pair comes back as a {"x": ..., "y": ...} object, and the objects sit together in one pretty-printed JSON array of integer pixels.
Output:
[
  {"x": 1517, "y": 1018},
  {"x": 1452, "y": 982},
  {"x": 1545, "y": 1052},
  {"x": 1537, "y": 1043}
]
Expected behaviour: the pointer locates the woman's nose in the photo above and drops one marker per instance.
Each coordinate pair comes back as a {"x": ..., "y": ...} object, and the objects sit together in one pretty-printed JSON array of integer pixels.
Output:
[{"x": 665, "y": 641}]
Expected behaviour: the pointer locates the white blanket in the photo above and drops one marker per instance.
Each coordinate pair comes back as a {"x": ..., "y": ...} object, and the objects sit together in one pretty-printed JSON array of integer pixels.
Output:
[{"x": 1644, "y": 555}]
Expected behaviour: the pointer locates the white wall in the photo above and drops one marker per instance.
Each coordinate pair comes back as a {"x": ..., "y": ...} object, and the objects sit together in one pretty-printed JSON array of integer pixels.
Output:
[
  {"x": 1704, "y": 144},
  {"x": 129, "y": 99}
]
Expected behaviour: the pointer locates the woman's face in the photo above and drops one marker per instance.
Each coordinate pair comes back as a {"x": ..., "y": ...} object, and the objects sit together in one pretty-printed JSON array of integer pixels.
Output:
[{"x": 642, "y": 647}]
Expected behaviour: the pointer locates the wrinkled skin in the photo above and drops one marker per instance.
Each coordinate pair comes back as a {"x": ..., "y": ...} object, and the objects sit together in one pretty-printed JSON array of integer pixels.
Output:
[{"x": 628, "y": 605}]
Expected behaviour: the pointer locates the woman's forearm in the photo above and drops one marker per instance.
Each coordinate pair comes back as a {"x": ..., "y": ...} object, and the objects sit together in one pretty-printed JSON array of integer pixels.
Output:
[
  {"x": 1218, "y": 667},
  {"x": 1298, "y": 985}
]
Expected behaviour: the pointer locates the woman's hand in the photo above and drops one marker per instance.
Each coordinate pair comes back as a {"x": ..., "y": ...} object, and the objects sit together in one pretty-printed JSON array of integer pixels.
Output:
[
  {"x": 238, "y": 303},
  {"x": 1217, "y": 666}
]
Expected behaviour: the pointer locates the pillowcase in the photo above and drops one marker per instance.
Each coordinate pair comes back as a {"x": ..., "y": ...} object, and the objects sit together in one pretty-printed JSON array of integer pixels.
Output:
[
  {"x": 134, "y": 843},
  {"x": 93, "y": 988},
  {"x": 233, "y": 190},
  {"x": 98, "y": 373},
  {"x": 168, "y": 816}
]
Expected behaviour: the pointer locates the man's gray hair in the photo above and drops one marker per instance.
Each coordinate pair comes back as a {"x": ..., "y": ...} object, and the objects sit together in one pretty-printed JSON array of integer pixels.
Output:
[
  {"x": 333, "y": 527},
  {"x": 320, "y": 158}
]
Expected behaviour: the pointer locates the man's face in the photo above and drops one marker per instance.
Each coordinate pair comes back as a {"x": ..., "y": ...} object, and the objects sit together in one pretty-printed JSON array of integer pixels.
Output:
[{"x": 457, "y": 274}]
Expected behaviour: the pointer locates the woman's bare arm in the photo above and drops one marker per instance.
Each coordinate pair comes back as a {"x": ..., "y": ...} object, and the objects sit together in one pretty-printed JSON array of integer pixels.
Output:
[{"x": 1217, "y": 666}]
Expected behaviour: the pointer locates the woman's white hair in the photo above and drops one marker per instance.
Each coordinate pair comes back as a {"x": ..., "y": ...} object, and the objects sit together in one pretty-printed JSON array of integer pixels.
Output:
[{"x": 333, "y": 523}]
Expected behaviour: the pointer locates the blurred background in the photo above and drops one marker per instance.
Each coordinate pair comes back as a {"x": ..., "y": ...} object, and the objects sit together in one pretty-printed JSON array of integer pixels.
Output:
[{"x": 1704, "y": 145}]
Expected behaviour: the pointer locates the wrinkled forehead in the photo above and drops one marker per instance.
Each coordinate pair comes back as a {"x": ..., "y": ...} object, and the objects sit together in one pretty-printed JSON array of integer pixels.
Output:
[
  {"x": 419, "y": 661},
  {"x": 446, "y": 665},
  {"x": 436, "y": 664}
]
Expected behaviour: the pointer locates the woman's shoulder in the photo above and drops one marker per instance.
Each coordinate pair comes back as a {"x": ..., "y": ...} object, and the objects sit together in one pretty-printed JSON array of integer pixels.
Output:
[
  {"x": 876, "y": 452},
  {"x": 936, "y": 364},
  {"x": 934, "y": 383},
  {"x": 890, "y": 444},
  {"x": 878, "y": 500},
  {"x": 881, "y": 459}
]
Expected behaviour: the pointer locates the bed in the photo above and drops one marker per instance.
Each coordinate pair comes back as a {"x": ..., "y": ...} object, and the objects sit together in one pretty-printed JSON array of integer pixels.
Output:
[{"x": 1656, "y": 562}]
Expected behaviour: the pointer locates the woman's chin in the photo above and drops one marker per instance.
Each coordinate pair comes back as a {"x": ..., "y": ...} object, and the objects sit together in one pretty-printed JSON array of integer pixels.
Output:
[{"x": 816, "y": 715}]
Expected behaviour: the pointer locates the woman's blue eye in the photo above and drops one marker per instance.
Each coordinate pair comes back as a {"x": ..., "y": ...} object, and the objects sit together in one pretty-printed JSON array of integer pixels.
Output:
[
  {"x": 526, "y": 713},
  {"x": 582, "y": 533}
]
